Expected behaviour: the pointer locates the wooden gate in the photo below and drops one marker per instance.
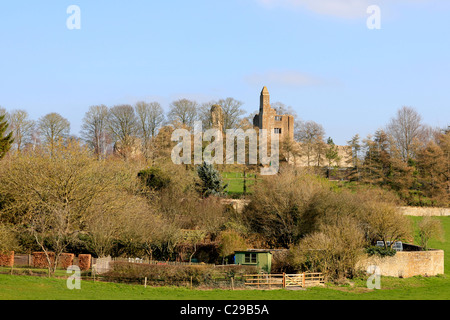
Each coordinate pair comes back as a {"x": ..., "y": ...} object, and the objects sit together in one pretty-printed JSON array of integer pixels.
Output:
[
  {"x": 303, "y": 279},
  {"x": 284, "y": 280}
]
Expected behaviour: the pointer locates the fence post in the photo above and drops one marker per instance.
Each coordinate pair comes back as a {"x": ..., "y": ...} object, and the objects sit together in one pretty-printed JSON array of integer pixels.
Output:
[
  {"x": 145, "y": 282},
  {"x": 303, "y": 280},
  {"x": 284, "y": 280}
]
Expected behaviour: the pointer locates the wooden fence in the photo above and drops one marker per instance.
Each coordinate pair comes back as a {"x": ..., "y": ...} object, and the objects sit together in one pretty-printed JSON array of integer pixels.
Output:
[
  {"x": 284, "y": 280},
  {"x": 264, "y": 280}
]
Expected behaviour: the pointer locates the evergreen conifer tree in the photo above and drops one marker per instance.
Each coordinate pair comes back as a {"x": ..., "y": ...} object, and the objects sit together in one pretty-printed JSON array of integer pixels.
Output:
[{"x": 212, "y": 183}]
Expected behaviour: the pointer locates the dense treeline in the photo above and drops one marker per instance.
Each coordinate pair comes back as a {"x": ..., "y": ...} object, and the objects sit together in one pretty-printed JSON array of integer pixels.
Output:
[
  {"x": 407, "y": 157},
  {"x": 62, "y": 198},
  {"x": 116, "y": 191}
]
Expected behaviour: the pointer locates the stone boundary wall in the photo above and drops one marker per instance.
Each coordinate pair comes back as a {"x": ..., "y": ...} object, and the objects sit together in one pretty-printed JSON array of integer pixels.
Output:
[
  {"x": 405, "y": 264},
  {"x": 239, "y": 204},
  {"x": 424, "y": 211}
]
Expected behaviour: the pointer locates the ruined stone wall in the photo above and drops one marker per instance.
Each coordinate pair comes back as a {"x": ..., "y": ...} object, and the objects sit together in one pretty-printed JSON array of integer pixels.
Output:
[
  {"x": 424, "y": 211},
  {"x": 217, "y": 120},
  {"x": 407, "y": 264},
  {"x": 299, "y": 158}
]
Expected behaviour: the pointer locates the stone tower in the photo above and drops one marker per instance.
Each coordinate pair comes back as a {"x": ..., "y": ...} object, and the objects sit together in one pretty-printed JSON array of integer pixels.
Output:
[
  {"x": 269, "y": 119},
  {"x": 217, "y": 117}
]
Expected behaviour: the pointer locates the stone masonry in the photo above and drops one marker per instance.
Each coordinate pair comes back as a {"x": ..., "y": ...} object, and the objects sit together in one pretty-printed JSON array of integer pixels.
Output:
[{"x": 269, "y": 119}]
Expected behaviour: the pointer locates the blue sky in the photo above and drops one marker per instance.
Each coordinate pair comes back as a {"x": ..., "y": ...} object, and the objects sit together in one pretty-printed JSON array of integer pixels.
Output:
[{"x": 317, "y": 56}]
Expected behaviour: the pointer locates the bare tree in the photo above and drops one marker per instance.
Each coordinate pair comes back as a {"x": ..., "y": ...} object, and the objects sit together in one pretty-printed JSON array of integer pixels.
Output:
[
  {"x": 94, "y": 129},
  {"x": 334, "y": 249},
  {"x": 183, "y": 111},
  {"x": 123, "y": 125},
  {"x": 122, "y": 122},
  {"x": 22, "y": 128},
  {"x": 150, "y": 117},
  {"x": 384, "y": 222},
  {"x": 430, "y": 228},
  {"x": 311, "y": 135},
  {"x": 204, "y": 114},
  {"x": 114, "y": 214},
  {"x": 406, "y": 128},
  {"x": 8, "y": 239},
  {"x": 232, "y": 112},
  {"x": 53, "y": 127},
  {"x": 51, "y": 194}
]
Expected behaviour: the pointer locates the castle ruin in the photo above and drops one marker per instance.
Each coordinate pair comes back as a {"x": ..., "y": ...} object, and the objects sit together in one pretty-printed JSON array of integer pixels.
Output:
[{"x": 281, "y": 124}]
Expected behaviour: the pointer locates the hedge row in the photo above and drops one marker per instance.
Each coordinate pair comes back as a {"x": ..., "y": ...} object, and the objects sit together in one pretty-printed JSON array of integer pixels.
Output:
[
  {"x": 84, "y": 261},
  {"x": 7, "y": 259},
  {"x": 40, "y": 259},
  {"x": 174, "y": 274},
  {"x": 65, "y": 260}
]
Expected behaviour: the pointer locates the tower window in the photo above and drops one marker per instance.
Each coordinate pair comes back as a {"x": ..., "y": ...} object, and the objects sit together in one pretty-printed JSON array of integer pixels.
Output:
[
  {"x": 278, "y": 118},
  {"x": 277, "y": 130}
]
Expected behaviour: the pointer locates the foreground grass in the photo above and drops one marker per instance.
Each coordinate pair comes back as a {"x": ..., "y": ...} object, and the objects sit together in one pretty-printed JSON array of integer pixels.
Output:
[
  {"x": 13, "y": 287},
  {"x": 42, "y": 288}
]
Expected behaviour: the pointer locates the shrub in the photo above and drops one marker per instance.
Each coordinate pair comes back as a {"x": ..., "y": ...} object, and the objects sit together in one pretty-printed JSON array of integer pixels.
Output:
[
  {"x": 8, "y": 240},
  {"x": 381, "y": 251},
  {"x": 333, "y": 250},
  {"x": 154, "y": 178},
  {"x": 229, "y": 242},
  {"x": 7, "y": 259},
  {"x": 84, "y": 261},
  {"x": 430, "y": 228},
  {"x": 66, "y": 260},
  {"x": 40, "y": 259}
]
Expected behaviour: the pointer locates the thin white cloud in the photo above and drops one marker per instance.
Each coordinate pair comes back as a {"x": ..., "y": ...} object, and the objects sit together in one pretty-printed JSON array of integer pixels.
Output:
[
  {"x": 284, "y": 78},
  {"x": 347, "y": 9}
]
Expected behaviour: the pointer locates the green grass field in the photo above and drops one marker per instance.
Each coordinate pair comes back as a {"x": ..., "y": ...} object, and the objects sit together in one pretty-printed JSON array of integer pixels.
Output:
[
  {"x": 416, "y": 288},
  {"x": 235, "y": 181}
]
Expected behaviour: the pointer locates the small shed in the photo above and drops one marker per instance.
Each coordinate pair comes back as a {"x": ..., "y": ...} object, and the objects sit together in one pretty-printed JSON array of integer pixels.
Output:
[{"x": 262, "y": 259}]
